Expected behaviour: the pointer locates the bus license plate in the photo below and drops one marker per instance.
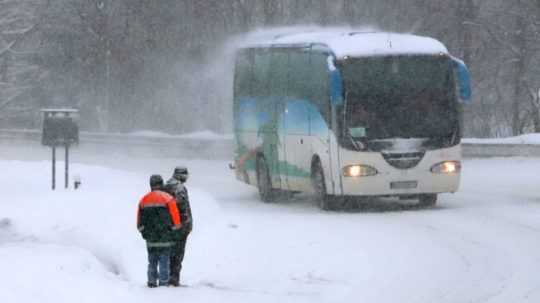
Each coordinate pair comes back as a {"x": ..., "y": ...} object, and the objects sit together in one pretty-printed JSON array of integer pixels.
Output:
[{"x": 403, "y": 185}]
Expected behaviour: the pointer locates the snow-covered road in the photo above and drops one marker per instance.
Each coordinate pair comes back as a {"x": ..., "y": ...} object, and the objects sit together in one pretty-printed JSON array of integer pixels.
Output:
[{"x": 479, "y": 245}]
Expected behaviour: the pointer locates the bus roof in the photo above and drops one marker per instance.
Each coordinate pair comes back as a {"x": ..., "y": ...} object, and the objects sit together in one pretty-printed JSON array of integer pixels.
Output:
[{"x": 355, "y": 43}]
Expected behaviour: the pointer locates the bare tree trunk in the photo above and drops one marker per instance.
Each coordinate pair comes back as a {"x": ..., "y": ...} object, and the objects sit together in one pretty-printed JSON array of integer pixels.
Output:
[
  {"x": 4, "y": 68},
  {"x": 520, "y": 70},
  {"x": 245, "y": 14},
  {"x": 349, "y": 12},
  {"x": 324, "y": 13},
  {"x": 536, "y": 115},
  {"x": 469, "y": 14},
  {"x": 270, "y": 11},
  {"x": 466, "y": 14}
]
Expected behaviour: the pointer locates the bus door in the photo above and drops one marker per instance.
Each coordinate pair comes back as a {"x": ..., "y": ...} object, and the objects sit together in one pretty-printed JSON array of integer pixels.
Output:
[
  {"x": 269, "y": 139},
  {"x": 282, "y": 147},
  {"x": 277, "y": 90},
  {"x": 300, "y": 88}
]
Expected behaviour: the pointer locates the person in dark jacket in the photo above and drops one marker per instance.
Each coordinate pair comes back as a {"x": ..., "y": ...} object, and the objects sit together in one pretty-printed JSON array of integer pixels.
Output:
[
  {"x": 175, "y": 186},
  {"x": 158, "y": 220}
]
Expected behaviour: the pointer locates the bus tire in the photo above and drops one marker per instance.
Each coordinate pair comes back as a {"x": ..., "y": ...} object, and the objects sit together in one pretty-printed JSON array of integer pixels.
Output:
[
  {"x": 319, "y": 187},
  {"x": 427, "y": 200},
  {"x": 264, "y": 183}
]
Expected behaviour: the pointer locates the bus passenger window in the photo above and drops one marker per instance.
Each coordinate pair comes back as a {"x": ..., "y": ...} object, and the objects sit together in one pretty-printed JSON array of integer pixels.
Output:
[
  {"x": 243, "y": 74},
  {"x": 278, "y": 73},
  {"x": 299, "y": 76},
  {"x": 261, "y": 72}
]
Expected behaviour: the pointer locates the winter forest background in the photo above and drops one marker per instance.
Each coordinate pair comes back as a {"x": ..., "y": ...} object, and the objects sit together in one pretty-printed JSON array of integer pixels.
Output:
[{"x": 159, "y": 65}]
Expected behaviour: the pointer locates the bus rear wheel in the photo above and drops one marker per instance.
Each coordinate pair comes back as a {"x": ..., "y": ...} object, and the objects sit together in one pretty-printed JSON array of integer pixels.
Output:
[
  {"x": 427, "y": 200},
  {"x": 264, "y": 183},
  {"x": 319, "y": 187}
]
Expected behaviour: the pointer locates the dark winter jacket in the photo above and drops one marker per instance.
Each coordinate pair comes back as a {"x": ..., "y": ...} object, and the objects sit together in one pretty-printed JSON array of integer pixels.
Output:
[
  {"x": 158, "y": 219},
  {"x": 180, "y": 192}
]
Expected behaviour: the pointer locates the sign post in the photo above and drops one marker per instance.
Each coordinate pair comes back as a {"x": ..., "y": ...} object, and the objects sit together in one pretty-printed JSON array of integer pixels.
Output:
[
  {"x": 66, "y": 174},
  {"x": 60, "y": 129},
  {"x": 53, "y": 167}
]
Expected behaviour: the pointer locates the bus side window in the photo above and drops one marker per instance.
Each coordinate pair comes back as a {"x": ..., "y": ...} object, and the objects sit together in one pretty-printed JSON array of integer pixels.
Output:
[
  {"x": 278, "y": 73},
  {"x": 261, "y": 73},
  {"x": 243, "y": 74},
  {"x": 320, "y": 94},
  {"x": 244, "y": 112},
  {"x": 299, "y": 76}
]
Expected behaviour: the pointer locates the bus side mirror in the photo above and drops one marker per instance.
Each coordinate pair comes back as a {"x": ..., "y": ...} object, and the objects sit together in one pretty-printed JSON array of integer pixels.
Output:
[{"x": 463, "y": 78}]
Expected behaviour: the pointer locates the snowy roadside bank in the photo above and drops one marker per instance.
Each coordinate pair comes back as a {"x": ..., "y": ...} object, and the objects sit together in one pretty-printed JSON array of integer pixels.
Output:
[
  {"x": 530, "y": 139},
  {"x": 82, "y": 246},
  {"x": 477, "y": 245}
]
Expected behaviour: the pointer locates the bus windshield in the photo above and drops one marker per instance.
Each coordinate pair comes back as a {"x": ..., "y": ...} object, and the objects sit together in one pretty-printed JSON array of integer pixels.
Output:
[{"x": 400, "y": 97}]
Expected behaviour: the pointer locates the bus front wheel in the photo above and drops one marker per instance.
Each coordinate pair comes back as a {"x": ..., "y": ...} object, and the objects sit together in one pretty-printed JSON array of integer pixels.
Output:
[
  {"x": 427, "y": 200},
  {"x": 319, "y": 187},
  {"x": 264, "y": 183}
]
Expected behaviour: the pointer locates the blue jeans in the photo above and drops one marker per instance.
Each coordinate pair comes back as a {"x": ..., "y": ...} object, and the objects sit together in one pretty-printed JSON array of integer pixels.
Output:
[{"x": 158, "y": 258}]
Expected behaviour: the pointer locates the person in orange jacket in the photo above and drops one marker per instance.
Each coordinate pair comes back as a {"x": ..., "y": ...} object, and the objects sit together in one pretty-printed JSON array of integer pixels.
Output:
[{"x": 158, "y": 220}]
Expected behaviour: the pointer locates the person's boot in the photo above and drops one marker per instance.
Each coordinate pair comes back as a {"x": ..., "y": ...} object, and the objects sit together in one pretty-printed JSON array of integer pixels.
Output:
[
  {"x": 174, "y": 280},
  {"x": 151, "y": 284}
]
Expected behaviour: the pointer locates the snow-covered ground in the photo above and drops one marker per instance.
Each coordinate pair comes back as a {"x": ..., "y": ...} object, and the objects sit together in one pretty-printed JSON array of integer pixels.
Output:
[
  {"x": 479, "y": 245},
  {"x": 523, "y": 139}
]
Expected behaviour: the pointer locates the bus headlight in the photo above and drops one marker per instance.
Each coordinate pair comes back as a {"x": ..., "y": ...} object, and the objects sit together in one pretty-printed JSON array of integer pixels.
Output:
[
  {"x": 359, "y": 171},
  {"x": 446, "y": 167}
]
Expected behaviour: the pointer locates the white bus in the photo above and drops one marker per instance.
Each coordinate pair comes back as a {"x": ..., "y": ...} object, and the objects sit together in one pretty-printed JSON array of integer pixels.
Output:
[{"x": 349, "y": 114}]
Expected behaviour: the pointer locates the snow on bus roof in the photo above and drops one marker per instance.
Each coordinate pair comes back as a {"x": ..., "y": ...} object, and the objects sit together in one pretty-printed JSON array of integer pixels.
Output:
[{"x": 352, "y": 43}]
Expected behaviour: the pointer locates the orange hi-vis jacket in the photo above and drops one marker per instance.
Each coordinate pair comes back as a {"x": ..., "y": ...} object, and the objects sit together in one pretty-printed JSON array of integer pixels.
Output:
[{"x": 158, "y": 218}]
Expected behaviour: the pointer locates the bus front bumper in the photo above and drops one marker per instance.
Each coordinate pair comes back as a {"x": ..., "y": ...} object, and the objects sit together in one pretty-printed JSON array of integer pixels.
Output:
[
  {"x": 393, "y": 181},
  {"x": 401, "y": 184}
]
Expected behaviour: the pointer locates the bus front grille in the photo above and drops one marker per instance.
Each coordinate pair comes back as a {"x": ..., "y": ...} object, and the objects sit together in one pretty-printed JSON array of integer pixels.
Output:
[{"x": 403, "y": 160}]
